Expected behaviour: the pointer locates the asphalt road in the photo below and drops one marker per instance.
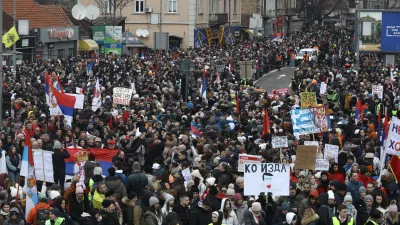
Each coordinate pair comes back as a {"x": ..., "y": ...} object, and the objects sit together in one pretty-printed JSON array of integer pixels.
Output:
[{"x": 276, "y": 79}]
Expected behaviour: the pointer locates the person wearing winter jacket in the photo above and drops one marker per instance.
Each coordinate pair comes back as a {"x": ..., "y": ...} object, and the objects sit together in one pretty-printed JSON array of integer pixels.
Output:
[
  {"x": 392, "y": 216},
  {"x": 351, "y": 209},
  {"x": 13, "y": 162},
  {"x": 153, "y": 215},
  {"x": 239, "y": 207},
  {"x": 343, "y": 217},
  {"x": 310, "y": 217},
  {"x": 202, "y": 214},
  {"x": 229, "y": 215},
  {"x": 291, "y": 219},
  {"x": 114, "y": 184},
  {"x": 108, "y": 213},
  {"x": 4, "y": 211},
  {"x": 128, "y": 204},
  {"x": 280, "y": 214},
  {"x": 14, "y": 218},
  {"x": 255, "y": 215},
  {"x": 78, "y": 203},
  {"x": 168, "y": 204},
  {"x": 183, "y": 210},
  {"x": 310, "y": 202}
]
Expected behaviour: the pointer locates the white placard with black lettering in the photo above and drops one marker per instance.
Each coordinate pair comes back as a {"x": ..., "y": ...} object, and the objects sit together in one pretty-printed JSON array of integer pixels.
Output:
[
  {"x": 279, "y": 142},
  {"x": 311, "y": 143},
  {"x": 266, "y": 177},
  {"x": 244, "y": 158},
  {"x": 322, "y": 164},
  {"x": 331, "y": 152}
]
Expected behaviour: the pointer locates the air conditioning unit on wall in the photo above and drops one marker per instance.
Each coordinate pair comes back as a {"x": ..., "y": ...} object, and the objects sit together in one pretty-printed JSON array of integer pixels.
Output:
[{"x": 148, "y": 10}]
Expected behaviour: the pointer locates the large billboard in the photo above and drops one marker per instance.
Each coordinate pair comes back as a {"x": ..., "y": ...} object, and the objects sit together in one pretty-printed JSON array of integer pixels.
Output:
[{"x": 378, "y": 31}]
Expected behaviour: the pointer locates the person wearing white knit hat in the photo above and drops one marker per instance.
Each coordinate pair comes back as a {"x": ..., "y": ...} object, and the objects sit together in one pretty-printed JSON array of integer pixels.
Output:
[{"x": 210, "y": 181}]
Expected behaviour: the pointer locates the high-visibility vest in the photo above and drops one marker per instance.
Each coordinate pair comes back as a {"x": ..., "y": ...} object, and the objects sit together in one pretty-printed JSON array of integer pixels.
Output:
[
  {"x": 394, "y": 112},
  {"x": 373, "y": 222},
  {"x": 336, "y": 221}
]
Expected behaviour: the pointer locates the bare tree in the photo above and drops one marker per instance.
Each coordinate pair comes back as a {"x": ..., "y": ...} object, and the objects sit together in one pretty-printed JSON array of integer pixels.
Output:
[
  {"x": 110, "y": 8},
  {"x": 321, "y": 9}
]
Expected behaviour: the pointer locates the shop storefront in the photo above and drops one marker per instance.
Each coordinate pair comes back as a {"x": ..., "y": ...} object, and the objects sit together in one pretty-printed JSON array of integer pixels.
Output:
[
  {"x": 58, "y": 42},
  {"x": 26, "y": 45},
  {"x": 131, "y": 45}
]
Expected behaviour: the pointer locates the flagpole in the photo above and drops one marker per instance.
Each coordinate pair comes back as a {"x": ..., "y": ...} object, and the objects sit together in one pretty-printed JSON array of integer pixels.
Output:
[
  {"x": 14, "y": 48},
  {"x": 1, "y": 61}
]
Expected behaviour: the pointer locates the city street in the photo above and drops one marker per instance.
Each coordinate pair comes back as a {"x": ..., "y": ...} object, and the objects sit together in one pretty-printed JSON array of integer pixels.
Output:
[{"x": 276, "y": 79}]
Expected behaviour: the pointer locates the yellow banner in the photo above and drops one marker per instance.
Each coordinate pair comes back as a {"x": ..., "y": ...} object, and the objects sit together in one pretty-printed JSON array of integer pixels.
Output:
[
  {"x": 308, "y": 99},
  {"x": 10, "y": 37}
]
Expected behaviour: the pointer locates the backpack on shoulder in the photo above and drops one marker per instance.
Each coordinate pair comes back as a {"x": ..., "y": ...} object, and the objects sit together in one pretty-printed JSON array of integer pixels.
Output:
[{"x": 42, "y": 216}]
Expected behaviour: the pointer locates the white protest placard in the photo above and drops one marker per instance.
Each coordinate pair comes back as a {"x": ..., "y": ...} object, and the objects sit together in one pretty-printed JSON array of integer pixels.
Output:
[
  {"x": 311, "y": 143},
  {"x": 331, "y": 152},
  {"x": 266, "y": 177},
  {"x": 322, "y": 164},
  {"x": 377, "y": 90},
  {"x": 133, "y": 88},
  {"x": 122, "y": 96},
  {"x": 43, "y": 161},
  {"x": 392, "y": 145},
  {"x": 78, "y": 90},
  {"x": 322, "y": 88},
  {"x": 186, "y": 174},
  {"x": 244, "y": 158},
  {"x": 279, "y": 142}
]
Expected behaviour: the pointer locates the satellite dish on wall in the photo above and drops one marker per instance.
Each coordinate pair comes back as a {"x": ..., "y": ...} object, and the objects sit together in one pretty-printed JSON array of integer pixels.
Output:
[
  {"x": 92, "y": 12},
  {"x": 145, "y": 33},
  {"x": 79, "y": 12},
  {"x": 139, "y": 32}
]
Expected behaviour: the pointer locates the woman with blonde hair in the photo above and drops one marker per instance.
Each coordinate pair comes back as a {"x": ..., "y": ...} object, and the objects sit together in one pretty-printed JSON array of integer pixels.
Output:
[
  {"x": 392, "y": 215},
  {"x": 310, "y": 217}
]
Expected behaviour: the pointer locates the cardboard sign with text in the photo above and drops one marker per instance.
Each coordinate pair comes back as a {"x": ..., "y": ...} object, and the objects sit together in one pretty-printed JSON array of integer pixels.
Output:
[
  {"x": 306, "y": 157},
  {"x": 308, "y": 99}
]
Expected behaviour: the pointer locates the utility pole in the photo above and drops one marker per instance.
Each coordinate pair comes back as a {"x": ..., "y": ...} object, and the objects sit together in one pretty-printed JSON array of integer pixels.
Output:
[
  {"x": 160, "y": 17},
  {"x": 14, "y": 48},
  {"x": 1, "y": 68}
]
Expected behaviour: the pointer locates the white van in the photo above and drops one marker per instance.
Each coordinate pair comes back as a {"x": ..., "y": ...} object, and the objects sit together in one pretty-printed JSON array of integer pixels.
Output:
[{"x": 311, "y": 52}]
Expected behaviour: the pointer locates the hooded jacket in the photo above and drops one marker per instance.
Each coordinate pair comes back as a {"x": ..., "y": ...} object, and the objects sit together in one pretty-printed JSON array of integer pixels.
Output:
[
  {"x": 18, "y": 221},
  {"x": 116, "y": 185},
  {"x": 165, "y": 209},
  {"x": 230, "y": 219},
  {"x": 250, "y": 219},
  {"x": 239, "y": 210}
]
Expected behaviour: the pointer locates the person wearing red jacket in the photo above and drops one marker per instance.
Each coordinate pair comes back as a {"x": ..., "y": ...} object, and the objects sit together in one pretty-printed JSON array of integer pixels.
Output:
[
  {"x": 323, "y": 183},
  {"x": 364, "y": 176},
  {"x": 336, "y": 173}
]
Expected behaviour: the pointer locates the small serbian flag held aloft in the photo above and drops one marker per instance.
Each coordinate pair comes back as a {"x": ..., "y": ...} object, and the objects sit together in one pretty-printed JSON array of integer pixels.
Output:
[
  {"x": 59, "y": 103},
  {"x": 278, "y": 36},
  {"x": 74, "y": 164},
  {"x": 195, "y": 132}
]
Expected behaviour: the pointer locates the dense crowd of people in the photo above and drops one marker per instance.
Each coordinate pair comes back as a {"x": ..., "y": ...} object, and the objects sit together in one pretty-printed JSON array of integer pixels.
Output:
[{"x": 155, "y": 140}]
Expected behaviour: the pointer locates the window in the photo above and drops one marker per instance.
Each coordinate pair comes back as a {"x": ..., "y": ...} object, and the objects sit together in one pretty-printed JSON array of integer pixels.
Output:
[
  {"x": 172, "y": 6},
  {"x": 60, "y": 53},
  {"x": 108, "y": 7},
  {"x": 50, "y": 53},
  {"x": 139, "y": 6},
  {"x": 234, "y": 6},
  {"x": 200, "y": 6},
  {"x": 71, "y": 52}
]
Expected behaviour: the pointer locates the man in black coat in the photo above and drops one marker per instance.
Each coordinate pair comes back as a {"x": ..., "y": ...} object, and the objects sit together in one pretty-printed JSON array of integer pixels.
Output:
[
  {"x": 202, "y": 215},
  {"x": 182, "y": 209},
  {"x": 137, "y": 181},
  {"x": 59, "y": 164}
]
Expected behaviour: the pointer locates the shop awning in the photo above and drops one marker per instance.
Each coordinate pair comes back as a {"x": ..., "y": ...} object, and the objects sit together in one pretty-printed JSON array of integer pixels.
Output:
[
  {"x": 88, "y": 45},
  {"x": 176, "y": 36},
  {"x": 251, "y": 32}
]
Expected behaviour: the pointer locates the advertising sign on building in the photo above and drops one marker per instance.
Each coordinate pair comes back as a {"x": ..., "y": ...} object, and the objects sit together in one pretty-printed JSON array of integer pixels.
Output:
[{"x": 57, "y": 34}]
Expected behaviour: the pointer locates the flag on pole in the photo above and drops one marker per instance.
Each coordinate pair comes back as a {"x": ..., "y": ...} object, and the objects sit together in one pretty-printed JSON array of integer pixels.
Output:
[
  {"x": 28, "y": 171},
  {"x": 10, "y": 37},
  {"x": 96, "y": 102},
  {"x": 266, "y": 125},
  {"x": 204, "y": 87},
  {"x": 379, "y": 131},
  {"x": 395, "y": 166},
  {"x": 359, "y": 111},
  {"x": 89, "y": 67}
]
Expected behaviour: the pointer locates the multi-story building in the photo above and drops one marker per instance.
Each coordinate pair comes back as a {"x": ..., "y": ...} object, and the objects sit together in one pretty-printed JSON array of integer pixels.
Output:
[{"x": 188, "y": 22}]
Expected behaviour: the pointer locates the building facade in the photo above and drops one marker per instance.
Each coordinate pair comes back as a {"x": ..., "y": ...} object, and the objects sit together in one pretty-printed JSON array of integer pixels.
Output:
[{"x": 186, "y": 21}]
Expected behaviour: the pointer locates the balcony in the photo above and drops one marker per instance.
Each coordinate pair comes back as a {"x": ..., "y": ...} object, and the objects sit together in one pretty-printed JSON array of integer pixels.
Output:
[
  {"x": 286, "y": 12},
  {"x": 218, "y": 18}
]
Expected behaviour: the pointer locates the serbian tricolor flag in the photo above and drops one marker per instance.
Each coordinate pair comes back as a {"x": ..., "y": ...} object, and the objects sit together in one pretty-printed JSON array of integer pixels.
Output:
[
  {"x": 59, "y": 85},
  {"x": 395, "y": 166},
  {"x": 266, "y": 125},
  {"x": 74, "y": 164},
  {"x": 195, "y": 132},
  {"x": 28, "y": 171},
  {"x": 59, "y": 103},
  {"x": 204, "y": 87},
  {"x": 359, "y": 111}
]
